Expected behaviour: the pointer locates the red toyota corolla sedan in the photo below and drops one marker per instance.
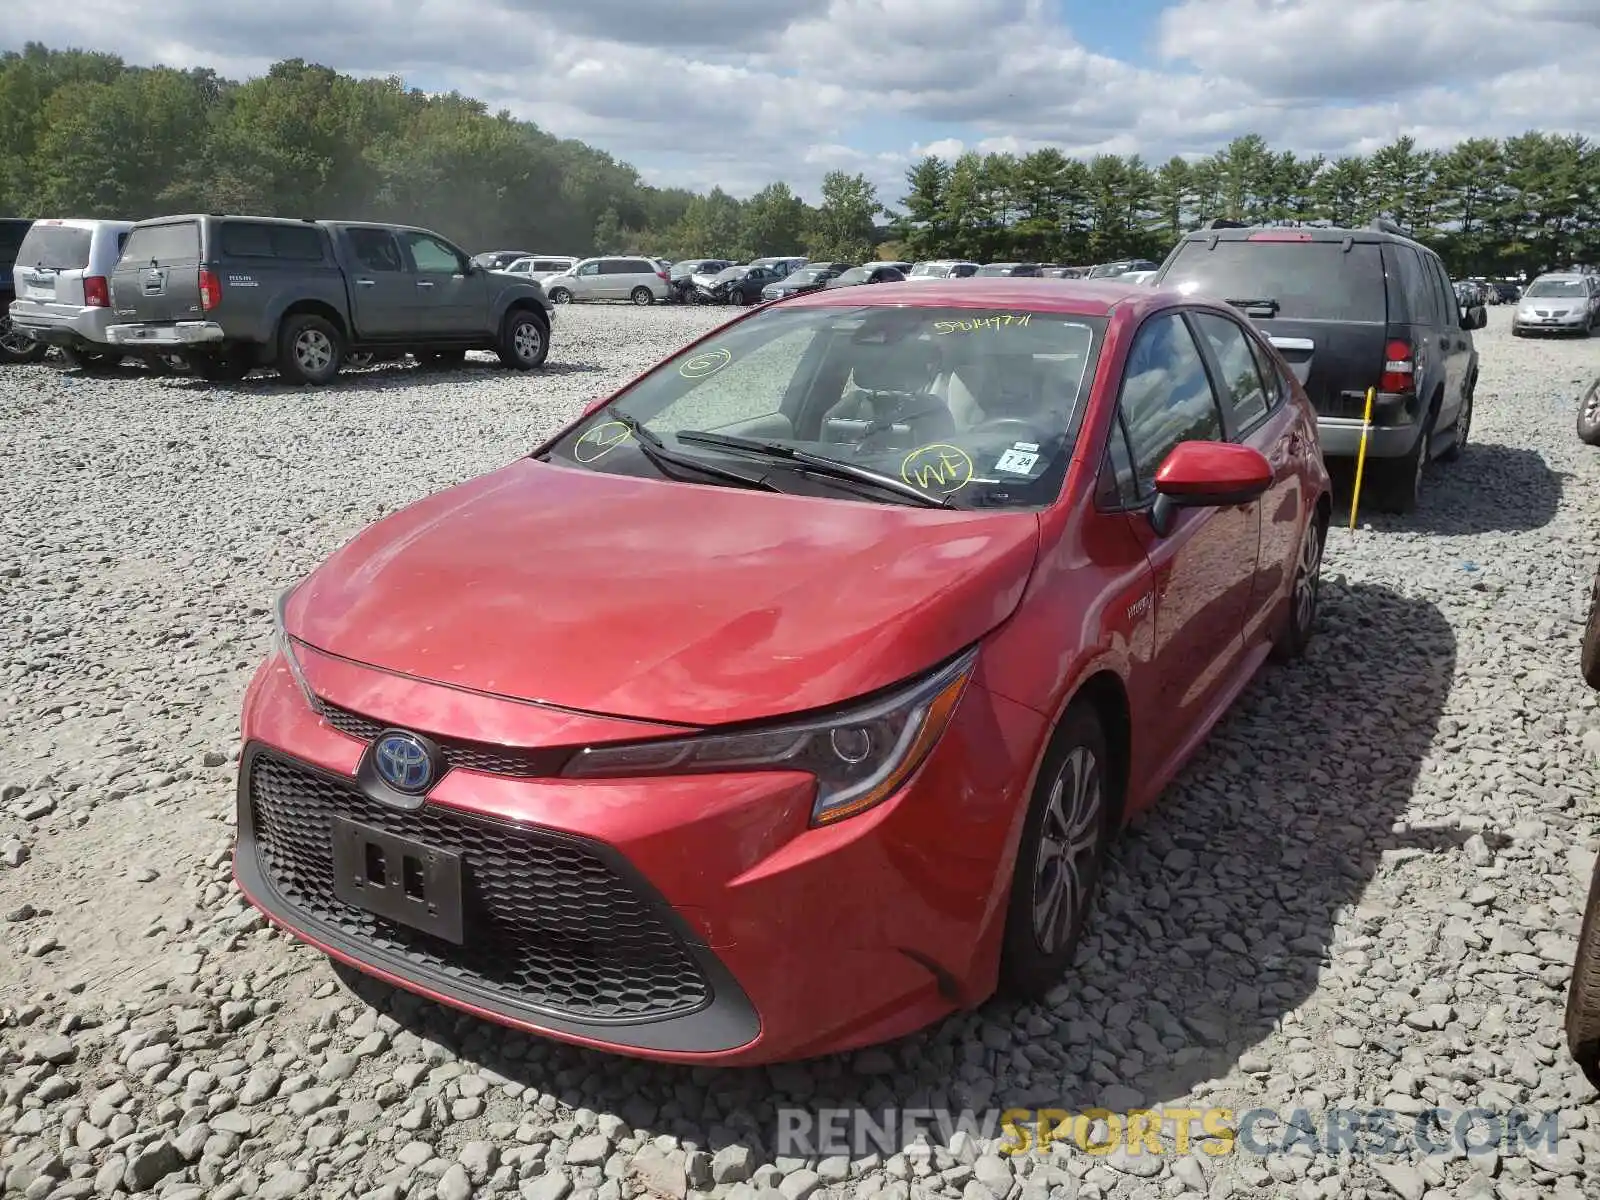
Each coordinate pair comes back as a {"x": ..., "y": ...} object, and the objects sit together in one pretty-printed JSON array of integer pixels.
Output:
[{"x": 786, "y": 701}]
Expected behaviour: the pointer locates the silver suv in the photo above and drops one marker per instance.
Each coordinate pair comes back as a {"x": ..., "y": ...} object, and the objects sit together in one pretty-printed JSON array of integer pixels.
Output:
[
  {"x": 611, "y": 278},
  {"x": 63, "y": 281}
]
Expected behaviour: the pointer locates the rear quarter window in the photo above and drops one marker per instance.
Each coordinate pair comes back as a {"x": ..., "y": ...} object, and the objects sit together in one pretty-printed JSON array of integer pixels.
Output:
[
  {"x": 1309, "y": 280},
  {"x": 251, "y": 239},
  {"x": 178, "y": 242},
  {"x": 56, "y": 248}
]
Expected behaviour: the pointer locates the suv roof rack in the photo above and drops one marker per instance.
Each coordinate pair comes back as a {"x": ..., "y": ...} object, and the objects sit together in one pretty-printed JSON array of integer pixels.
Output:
[
  {"x": 1384, "y": 225},
  {"x": 1225, "y": 223}
]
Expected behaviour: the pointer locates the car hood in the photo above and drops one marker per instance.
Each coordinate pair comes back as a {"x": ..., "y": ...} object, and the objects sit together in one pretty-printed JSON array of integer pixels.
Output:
[{"x": 678, "y": 603}]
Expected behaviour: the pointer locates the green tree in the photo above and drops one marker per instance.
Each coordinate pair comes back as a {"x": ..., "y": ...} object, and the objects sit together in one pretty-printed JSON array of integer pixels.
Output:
[
  {"x": 841, "y": 227},
  {"x": 773, "y": 222}
]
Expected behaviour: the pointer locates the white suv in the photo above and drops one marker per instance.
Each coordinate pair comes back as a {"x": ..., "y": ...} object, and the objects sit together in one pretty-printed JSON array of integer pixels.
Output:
[
  {"x": 540, "y": 267},
  {"x": 63, "y": 281},
  {"x": 610, "y": 278}
]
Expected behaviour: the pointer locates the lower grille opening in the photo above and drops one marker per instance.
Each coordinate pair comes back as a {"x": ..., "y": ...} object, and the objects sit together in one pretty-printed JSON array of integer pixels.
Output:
[{"x": 549, "y": 925}]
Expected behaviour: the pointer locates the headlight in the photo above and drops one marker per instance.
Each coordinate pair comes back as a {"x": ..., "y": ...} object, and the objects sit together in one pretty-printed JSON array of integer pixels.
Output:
[
  {"x": 284, "y": 645},
  {"x": 860, "y": 757}
]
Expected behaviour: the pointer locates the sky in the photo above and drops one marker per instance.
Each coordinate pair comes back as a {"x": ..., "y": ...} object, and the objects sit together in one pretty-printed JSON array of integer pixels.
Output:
[{"x": 739, "y": 93}]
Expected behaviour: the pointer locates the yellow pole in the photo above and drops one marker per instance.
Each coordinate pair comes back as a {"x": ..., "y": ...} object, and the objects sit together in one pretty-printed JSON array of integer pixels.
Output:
[{"x": 1361, "y": 456}]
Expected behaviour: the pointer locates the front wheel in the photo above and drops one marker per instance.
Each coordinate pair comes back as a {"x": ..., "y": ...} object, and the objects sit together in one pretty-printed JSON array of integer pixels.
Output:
[
  {"x": 643, "y": 296},
  {"x": 1057, "y": 871},
  {"x": 560, "y": 295},
  {"x": 524, "y": 342},
  {"x": 310, "y": 350}
]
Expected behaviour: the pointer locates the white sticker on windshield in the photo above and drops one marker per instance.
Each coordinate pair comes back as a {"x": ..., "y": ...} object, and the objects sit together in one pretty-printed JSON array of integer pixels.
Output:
[
  {"x": 1017, "y": 462},
  {"x": 1025, "y": 445}
]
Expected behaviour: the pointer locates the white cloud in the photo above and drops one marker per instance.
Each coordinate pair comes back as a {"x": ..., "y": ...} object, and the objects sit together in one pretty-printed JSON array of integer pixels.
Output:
[{"x": 743, "y": 92}]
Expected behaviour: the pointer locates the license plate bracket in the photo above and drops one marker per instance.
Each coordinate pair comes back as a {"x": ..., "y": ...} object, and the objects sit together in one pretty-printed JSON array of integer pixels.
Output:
[{"x": 406, "y": 881}]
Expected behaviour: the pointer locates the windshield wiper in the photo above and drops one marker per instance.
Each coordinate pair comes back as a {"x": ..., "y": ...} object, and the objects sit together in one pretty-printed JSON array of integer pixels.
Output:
[
  {"x": 1266, "y": 302},
  {"x": 817, "y": 464},
  {"x": 653, "y": 448}
]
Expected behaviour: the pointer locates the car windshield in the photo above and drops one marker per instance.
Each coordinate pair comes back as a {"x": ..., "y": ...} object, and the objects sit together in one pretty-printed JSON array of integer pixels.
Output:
[
  {"x": 731, "y": 273},
  {"x": 55, "y": 248},
  {"x": 1303, "y": 280},
  {"x": 930, "y": 269},
  {"x": 968, "y": 407},
  {"x": 809, "y": 275},
  {"x": 853, "y": 275},
  {"x": 1551, "y": 288}
]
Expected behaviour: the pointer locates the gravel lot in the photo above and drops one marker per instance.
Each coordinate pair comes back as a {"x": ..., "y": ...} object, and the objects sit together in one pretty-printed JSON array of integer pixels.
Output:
[{"x": 1364, "y": 892}]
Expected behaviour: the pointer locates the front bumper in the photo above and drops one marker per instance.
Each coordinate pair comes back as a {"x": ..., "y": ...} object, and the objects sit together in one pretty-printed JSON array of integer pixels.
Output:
[
  {"x": 1571, "y": 323},
  {"x": 768, "y": 940},
  {"x": 177, "y": 333},
  {"x": 60, "y": 325}
]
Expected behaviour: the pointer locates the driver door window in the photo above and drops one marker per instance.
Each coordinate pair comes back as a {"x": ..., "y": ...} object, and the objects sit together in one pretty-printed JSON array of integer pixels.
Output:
[
  {"x": 432, "y": 256},
  {"x": 1166, "y": 396}
]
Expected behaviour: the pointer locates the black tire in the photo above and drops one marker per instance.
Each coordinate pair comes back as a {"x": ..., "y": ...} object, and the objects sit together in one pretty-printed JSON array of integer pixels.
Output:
[
  {"x": 642, "y": 296},
  {"x": 310, "y": 350},
  {"x": 1589, "y": 657},
  {"x": 1463, "y": 429},
  {"x": 441, "y": 359},
  {"x": 524, "y": 340},
  {"x": 1583, "y": 993},
  {"x": 1305, "y": 593},
  {"x": 91, "y": 360},
  {"x": 1589, "y": 415},
  {"x": 1032, "y": 962},
  {"x": 560, "y": 295},
  {"x": 1397, "y": 482},
  {"x": 740, "y": 298},
  {"x": 17, "y": 347},
  {"x": 360, "y": 360}
]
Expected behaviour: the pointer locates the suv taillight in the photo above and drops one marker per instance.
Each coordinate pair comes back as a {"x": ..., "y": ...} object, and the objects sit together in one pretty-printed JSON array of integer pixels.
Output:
[
  {"x": 663, "y": 276},
  {"x": 1399, "y": 368},
  {"x": 96, "y": 292},
  {"x": 210, "y": 290}
]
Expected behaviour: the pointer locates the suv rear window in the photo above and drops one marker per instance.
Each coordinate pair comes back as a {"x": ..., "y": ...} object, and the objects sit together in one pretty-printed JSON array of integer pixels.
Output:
[
  {"x": 56, "y": 248},
  {"x": 177, "y": 242},
  {"x": 1309, "y": 280},
  {"x": 252, "y": 239}
]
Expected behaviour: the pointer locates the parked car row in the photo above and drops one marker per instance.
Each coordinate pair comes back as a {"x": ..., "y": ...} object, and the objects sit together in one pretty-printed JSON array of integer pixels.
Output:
[{"x": 220, "y": 295}]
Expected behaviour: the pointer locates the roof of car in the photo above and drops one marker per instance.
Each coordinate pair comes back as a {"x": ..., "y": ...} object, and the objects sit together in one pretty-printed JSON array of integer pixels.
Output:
[
  {"x": 1302, "y": 233},
  {"x": 1088, "y": 298}
]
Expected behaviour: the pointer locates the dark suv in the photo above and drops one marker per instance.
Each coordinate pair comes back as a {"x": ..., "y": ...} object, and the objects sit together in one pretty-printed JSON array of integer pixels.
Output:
[
  {"x": 1352, "y": 309},
  {"x": 15, "y": 346}
]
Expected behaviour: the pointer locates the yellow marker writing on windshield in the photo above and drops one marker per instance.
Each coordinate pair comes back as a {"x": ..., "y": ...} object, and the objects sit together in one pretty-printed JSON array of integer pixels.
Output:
[
  {"x": 707, "y": 362},
  {"x": 997, "y": 321},
  {"x": 940, "y": 468},
  {"x": 600, "y": 441}
]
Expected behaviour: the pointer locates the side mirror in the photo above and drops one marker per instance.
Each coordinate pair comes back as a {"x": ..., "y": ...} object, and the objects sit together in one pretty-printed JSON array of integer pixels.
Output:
[{"x": 1208, "y": 475}]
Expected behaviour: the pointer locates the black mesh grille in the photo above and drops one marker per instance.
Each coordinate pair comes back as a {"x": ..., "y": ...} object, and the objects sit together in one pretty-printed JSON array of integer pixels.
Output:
[
  {"x": 469, "y": 756},
  {"x": 548, "y": 924}
]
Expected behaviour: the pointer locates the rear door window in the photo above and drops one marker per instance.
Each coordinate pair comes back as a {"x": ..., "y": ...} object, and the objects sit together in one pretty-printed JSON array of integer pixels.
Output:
[
  {"x": 1415, "y": 284},
  {"x": 375, "y": 249},
  {"x": 55, "y": 248},
  {"x": 178, "y": 242},
  {"x": 1317, "y": 281},
  {"x": 1449, "y": 307}
]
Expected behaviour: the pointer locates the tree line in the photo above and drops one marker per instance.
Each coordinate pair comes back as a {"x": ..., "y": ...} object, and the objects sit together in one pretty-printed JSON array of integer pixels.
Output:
[{"x": 84, "y": 134}]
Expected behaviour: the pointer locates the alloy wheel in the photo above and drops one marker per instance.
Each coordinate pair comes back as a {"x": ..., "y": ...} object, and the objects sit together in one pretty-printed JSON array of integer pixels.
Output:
[
  {"x": 1591, "y": 403},
  {"x": 1308, "y": 577},
  {"x": 526, "y": 341},
  {"x": 1069, "y": 840},
  {"x": 313, "y": 351},
  {"x": 12, "y": 338}
]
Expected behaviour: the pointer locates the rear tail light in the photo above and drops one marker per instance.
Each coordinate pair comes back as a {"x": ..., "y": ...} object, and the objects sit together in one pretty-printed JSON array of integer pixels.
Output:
[
  {"x": 662, "y": 275},
  {"x": 1399, "y": 368},
  {"x": 210, "y": 290},
  {"x": 96, "y": 292}
]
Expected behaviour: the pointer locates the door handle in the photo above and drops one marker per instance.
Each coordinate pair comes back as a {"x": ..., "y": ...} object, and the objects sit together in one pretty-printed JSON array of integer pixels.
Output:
[
  {"x": 366, "y": 283},
  {"x": 427, "y": 283}
]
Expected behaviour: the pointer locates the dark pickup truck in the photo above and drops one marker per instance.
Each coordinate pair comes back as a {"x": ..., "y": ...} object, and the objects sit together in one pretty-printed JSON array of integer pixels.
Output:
[{"x": 306, "y": 297}]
